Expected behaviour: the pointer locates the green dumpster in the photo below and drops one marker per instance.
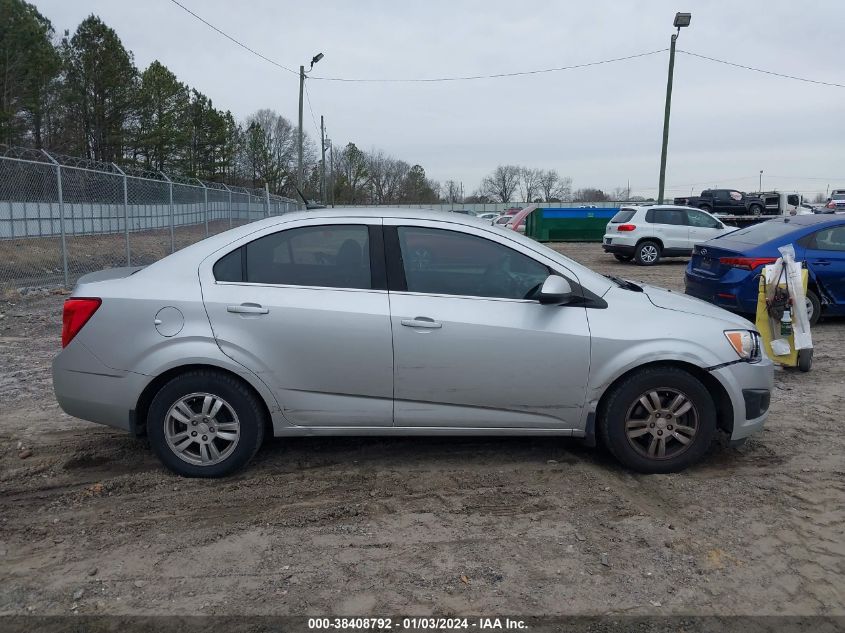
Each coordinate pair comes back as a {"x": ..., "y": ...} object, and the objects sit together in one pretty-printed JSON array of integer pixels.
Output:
[{"x": 568, "y": 224}]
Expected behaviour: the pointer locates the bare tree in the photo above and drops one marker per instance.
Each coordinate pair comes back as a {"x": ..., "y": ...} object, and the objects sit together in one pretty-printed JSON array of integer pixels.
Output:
[
  {"x": 590, "y": 194},
  {"x": 529, "y": 183},
  {"x": 502, "y": 183},
  {"x": 619, "y": 193},
  {"x": 819, "y": 198},
  {"x": 386, "y": 175},
  {"x": 452, "y": 191},
  {"x": 554, "y": 187}
]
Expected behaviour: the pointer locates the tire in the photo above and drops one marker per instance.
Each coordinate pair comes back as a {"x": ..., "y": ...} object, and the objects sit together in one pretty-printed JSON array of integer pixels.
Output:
[
  {"x": 755, "y": 209},
  {"x": 805, "y": 359},
  {"x": 814, "y": 308},
  {"x": 623, "y": 409},
  {"x": 623, "y": 258},
  {"x": 647, "y": 253},
  {"x": 234, "y": 431}
]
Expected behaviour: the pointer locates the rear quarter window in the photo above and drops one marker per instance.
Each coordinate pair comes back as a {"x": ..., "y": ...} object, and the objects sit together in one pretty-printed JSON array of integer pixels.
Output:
[{"x": 623, "y": 215}]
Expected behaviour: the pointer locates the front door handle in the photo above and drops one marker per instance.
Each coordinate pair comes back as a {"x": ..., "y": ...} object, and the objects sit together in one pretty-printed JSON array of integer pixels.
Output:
[
  {"x": 422, "y": 322},
  {"x": 248, "y": 308}
]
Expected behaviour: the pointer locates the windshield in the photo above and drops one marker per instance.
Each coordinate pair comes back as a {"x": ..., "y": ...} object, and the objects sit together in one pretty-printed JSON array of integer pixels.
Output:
[{"x": 839, "y": 196}]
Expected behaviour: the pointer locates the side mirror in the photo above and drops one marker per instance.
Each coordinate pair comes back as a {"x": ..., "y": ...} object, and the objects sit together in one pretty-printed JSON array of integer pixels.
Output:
[{"x": 555, "y": 290}]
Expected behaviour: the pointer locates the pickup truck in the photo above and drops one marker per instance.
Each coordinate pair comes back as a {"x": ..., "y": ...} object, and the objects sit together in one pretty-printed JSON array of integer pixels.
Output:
[{"x": 726, "y": 201}]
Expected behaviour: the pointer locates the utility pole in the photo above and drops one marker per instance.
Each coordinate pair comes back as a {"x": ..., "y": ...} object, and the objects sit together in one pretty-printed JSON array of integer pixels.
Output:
[
  {"x": 299, "y": 173},
  {"x": 331, "y": 171},
  {"x": 761, "y": 181},
  {"x": 323, "y": 160},
  {"x": 681, "y": 20}
]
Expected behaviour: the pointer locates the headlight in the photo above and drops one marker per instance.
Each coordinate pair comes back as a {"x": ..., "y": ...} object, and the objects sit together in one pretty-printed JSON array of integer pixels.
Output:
[{"x": 746, "y": 343}]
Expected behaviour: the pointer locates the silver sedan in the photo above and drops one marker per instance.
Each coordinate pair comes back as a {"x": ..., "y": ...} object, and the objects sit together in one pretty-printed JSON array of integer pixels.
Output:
[{"x": 392, "y": 322}]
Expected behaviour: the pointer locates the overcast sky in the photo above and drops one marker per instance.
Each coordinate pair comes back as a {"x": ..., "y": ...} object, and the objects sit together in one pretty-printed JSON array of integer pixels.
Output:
[{"x": 600, "y": 125}]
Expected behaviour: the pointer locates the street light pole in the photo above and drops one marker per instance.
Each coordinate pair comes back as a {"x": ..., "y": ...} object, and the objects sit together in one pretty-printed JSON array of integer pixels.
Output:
[
  {"x": 300, "y": 175},
  {"x": 761, "y": 181},
  {"x": 681, "y": 20}
]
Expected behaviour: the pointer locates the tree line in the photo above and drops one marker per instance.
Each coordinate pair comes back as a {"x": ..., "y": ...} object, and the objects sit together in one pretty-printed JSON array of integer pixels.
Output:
[{"x": 81, "y": 94}]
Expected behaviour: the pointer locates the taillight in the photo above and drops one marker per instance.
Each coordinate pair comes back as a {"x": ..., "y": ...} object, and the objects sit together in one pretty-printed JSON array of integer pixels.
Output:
[
  {"x": 76, "y": 313},
  {"x": 746, "y": 263},
  {"x": 626, "y": 227}
]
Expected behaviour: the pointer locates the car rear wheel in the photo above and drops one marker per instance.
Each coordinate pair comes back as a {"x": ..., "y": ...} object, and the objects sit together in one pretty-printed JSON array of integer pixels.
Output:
[
  {"x": 658, "y": 420},
  {"x": 755, "y": 209},
  {"x": 205, "y": 424},
  {"x": 647, "y": 253},
  {"x": 623, "y": 258}
]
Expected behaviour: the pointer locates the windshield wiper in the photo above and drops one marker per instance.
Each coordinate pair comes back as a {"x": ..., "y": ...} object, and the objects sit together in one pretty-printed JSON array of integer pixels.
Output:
[{"x": 624, "y": 283}]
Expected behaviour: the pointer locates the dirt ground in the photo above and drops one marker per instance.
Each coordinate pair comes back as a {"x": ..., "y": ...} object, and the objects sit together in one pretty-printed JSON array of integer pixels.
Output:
[{"x": 90, "y": 523}]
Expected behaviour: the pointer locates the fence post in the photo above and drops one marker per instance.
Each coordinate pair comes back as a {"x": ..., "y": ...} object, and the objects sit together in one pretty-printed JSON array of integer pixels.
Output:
[
  {"x": 125, "y": 215},
  {"x": 205, "y": 198},
  {"x": 230, "y": 203},
  {"x": 267, "y": 200},
  {"x": 61, "y": 215},
  {"x": 170, "y": 211}
]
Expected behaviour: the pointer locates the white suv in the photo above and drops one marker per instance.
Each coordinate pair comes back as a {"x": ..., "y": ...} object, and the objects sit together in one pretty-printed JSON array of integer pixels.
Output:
[{"x": 645, "y": 234}]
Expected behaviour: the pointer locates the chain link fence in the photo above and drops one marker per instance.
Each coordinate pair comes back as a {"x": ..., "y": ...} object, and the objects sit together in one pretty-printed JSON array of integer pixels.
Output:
[{"x": 62, "y": 217}]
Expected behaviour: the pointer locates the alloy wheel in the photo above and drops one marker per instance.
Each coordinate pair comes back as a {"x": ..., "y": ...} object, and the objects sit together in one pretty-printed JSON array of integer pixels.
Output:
[
  {"x": 648, "y": 253},
  {"x": 202, "y": 429},
  {"x": 662, "y": 423}
]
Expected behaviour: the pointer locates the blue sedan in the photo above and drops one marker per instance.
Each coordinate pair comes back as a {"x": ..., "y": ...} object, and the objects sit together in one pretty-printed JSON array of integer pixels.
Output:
[{"x": 726, "y": 270}]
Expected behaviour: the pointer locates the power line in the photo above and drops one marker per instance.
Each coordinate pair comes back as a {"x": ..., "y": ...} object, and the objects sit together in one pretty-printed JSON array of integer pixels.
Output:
[
  {"x": 760, "y": 70},
  {"x": 491, "y": 76},
  {"x": 229, "y": 37},
  {"x": 308, "y": 98}
]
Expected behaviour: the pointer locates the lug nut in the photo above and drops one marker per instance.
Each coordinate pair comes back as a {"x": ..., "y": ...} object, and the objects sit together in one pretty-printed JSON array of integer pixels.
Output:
[
  {"x": 659, "y": 433},
  {"x": 193, "y": 433},
  {"x": 657, "y": 415},
  {"x": 669, "y": 427},
  {"x": 204, "y": 438},
  {"x": 211, "y": 429},
  {"x": 651, "y": 426}
]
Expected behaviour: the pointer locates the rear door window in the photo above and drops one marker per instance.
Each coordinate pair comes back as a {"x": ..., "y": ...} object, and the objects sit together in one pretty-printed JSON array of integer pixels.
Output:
[
  {"x": 832, "y": 239},
  {"x": 674, "y": 217},
  {"x": 623, "y": 215},
  {"x": 328, "y": 256}
]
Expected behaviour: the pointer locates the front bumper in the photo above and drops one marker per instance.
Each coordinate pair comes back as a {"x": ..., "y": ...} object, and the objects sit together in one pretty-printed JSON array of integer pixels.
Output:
[{"x": 749, "y": 386}]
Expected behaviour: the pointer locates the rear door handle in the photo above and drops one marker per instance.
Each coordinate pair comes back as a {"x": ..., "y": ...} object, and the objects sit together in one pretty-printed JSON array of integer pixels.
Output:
[
  {"x": 821, "y": 262},
  {"x": 248, "y": 308},
  {"x": 422, "y": 322}
]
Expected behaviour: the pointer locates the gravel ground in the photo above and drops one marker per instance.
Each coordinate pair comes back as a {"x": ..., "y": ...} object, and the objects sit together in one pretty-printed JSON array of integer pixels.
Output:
[{"x": 91, "y": 524}]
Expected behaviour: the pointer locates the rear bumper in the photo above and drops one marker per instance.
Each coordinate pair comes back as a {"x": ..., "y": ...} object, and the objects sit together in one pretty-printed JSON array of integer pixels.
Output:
[
  {"x": 749, "y": 386},
  {"x": 621, "y": 244},
  {"x": 736, "y": 297},
  {"x": 86, "y": 388}
]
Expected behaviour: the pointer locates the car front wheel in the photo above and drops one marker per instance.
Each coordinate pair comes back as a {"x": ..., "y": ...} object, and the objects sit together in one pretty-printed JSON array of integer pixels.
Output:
[
  {"x": 658, "y": 420},
  {"x": 205, "y": 424}
]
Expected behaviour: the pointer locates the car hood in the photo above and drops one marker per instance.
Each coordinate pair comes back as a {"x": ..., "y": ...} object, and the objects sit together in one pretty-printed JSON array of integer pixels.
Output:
[{"x": 671, "y": 300}]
